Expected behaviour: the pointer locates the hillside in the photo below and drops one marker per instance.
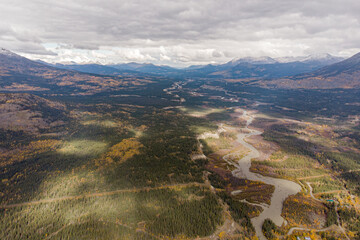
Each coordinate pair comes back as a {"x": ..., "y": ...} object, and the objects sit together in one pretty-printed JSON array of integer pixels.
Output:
[
  {"x": 146, "y": 68},
  {"x": 345, "y": 74},
  {"x": 261, "y": 68},
  {"x": 101, "y": 70},
  {"x": 242, "y": 68},
  {"x": 20, "y": 74},
  {"x": 29, "y": 113}
]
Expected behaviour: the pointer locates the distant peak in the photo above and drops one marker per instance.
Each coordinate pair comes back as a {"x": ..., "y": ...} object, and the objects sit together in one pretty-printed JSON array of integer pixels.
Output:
[
  {"x": 318, "y": 57},
  {"x": 6, "y": 52},
  {"x": 321, "y": 55},
  {"x": 357, "y": 55},
  {"x": 355, "y": 59},
  {"x": 254, "y": 60}
]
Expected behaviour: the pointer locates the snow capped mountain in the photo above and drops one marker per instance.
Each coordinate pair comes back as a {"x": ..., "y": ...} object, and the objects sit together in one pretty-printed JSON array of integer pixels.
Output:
[
  {"x": 8, "y": 53},
  {"x": 289, "y": 59},
  {"x": 253, "y": 60},
  {"x": 319, "y": 56},
  {"x": 324, "y": 58},
  {"x": 343, "y": 74}
]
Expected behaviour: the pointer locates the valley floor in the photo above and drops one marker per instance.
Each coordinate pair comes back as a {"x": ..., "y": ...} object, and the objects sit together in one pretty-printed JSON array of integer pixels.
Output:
[{"x": 123, "y": 171}]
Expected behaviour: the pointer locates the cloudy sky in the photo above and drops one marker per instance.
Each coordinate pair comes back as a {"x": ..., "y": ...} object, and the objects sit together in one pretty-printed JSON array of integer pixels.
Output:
[{"x": 179, "y": 32}]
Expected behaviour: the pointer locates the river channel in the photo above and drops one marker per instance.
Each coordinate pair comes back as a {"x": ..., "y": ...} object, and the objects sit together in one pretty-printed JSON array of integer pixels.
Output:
[{"x": 283, "y": 188}]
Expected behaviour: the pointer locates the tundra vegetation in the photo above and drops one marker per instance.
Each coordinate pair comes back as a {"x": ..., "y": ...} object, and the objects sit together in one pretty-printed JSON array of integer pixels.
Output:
[{"x": 117, "y": 168}]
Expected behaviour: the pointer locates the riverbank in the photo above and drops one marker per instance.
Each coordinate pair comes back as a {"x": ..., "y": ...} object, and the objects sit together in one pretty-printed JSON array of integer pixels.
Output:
[{"x": 241, "y": 170}]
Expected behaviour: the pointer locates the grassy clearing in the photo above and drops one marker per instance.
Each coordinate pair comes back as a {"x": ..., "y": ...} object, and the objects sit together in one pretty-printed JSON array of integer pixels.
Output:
[
  {"x": 325, "y": 184},
  {"x": 200, "y": 129},
  {"x": 216, "y": 144},
  {"x": 83, "y": 147},
  {"x": 292, "y": 161},
  {"x": 200, "y": 112},
  {"x": 102, "y": 123},
  {"x": 300, "y": 173},
  {"x": 290, "y": 165}
]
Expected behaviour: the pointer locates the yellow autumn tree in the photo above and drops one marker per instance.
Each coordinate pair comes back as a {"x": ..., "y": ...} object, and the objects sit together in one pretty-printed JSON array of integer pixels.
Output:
[{"x": 121, "y": 152}]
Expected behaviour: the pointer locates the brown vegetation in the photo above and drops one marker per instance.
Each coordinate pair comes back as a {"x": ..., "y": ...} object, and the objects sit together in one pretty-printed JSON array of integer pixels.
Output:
[
  {"x": 120, "y": 152},
  {"x": 302, "y": 210},
  {"x": 22, "y": 153},
  {"x": 29, "y": 113}
]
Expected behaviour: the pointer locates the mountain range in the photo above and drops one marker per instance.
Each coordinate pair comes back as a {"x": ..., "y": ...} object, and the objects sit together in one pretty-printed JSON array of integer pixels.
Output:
[
  {"x": 325, "y": 71},
  {"x": 255, "y": 68},
  {"x": 262, "y": 68},
  {"x": 21, "y": 74},
  {"x": 344, "y": 74}
]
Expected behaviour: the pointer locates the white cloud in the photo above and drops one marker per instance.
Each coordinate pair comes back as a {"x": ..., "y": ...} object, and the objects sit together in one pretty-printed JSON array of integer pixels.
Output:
[{"x": 189, "y": 31}]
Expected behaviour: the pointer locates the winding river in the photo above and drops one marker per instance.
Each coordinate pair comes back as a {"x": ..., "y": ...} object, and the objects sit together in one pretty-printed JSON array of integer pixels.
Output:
[{"x": 283, "y": 188}]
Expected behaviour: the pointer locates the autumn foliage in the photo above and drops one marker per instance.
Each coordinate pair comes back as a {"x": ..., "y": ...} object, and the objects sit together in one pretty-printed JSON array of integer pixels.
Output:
[{"x": 121, "y": 152}]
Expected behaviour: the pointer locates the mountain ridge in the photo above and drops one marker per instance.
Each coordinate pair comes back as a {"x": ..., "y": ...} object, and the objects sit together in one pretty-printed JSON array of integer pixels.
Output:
[
  {"x": 21, "y": 74},
  {"x": 344, "y": 74},
  {"x": 18, "y": 73}
]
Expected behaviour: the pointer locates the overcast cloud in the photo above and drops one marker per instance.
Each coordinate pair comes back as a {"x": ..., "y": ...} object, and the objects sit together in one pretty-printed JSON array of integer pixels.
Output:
[{"x": 177, "y": 32}]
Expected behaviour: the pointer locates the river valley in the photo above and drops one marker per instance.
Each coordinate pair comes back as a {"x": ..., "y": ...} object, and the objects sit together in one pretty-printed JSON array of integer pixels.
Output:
[{"x": 283, "y": 188}]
